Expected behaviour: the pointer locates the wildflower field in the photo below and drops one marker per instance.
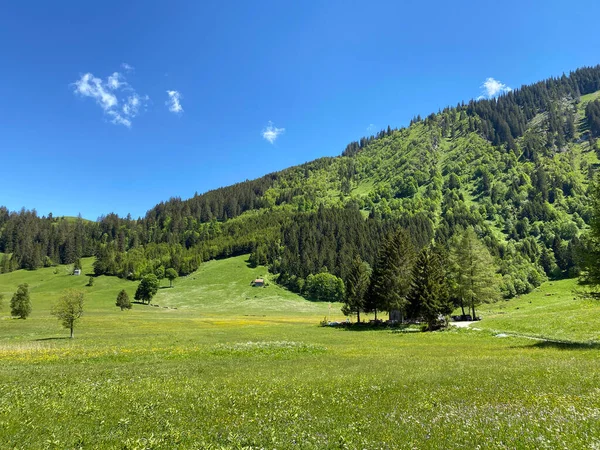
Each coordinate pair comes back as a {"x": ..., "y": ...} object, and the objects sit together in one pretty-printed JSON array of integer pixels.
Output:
[{"x": 219, "y": 364}]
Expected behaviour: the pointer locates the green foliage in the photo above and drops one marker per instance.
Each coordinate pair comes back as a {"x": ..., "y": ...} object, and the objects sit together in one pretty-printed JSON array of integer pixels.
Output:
[
  {"x": 428, "y": 296},
  {"x": 123, "y": 300},
  {"x": 20, "y": 303},
  {"x": 90, "y": 281},
  {"x": 589, "y": 250},
  {"x": 69, "y": 309},
  {"x": 473, "y": 272},
  {"x": 324, "y": 287},
  {"x": 147, "y": 288},
  {"x": 357, "y": 285},
  {"x": 171, "y": 274},
  {"x": 391, "y": 278}
]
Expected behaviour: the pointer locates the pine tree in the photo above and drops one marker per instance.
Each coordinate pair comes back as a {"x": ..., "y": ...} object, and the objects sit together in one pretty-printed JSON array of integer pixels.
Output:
[
  {"x": 357, "y": 284},
  {"x": 391, "y": 278}
]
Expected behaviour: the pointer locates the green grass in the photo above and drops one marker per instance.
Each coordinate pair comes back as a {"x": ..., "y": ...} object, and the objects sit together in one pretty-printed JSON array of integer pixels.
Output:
[
  {"x": 552, "y": 311},
  {"x": 239, "y": 367}
]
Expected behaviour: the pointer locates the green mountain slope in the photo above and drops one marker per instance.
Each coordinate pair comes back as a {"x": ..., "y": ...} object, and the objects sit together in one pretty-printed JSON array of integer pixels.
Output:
[{"x": 516, "y": 168}]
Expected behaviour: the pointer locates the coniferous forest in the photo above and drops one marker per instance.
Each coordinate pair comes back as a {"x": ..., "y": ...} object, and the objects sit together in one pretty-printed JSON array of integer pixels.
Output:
[{"x": 516, "y": 171}]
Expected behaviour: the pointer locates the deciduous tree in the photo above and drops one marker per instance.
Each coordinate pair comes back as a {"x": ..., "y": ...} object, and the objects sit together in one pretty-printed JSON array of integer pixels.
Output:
[
  {"x": 20, "y": 304},
  {"x": 147, "y": 288},
  {"x": 171, "y": 274},
  {"x": 69, "y": 309},
  {"x": 473, "y": 272}
]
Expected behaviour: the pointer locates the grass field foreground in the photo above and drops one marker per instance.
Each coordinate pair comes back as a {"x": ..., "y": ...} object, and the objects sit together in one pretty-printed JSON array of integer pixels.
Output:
[{"x": 240, "y": 367}]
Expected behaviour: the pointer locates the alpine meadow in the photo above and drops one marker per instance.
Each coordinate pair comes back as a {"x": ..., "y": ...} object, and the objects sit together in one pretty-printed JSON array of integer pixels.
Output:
[{"x": 434, "y": 286}]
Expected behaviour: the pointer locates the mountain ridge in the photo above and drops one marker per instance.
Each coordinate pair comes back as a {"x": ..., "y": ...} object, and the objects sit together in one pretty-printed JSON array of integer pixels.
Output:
[{"x": 516, "y": 168}]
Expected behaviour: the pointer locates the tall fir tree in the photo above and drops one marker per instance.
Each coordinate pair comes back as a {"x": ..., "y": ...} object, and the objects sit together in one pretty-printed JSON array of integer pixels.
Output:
[
  {"x": 428, "y": 297},
  {"x": 391, "y": 277},
  {"x": 357, "y": 284}
]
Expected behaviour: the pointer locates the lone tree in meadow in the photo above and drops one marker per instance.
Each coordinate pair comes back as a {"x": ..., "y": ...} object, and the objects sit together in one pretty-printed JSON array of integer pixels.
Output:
[
  {"x": 473, "y": 272},
  {"x": 147, "y": 289},
  {"x": 589, "y": 251},
  {"x": 171, "y": 274},
  {"x": 69, "y": 308},
  {"x": 20, "y": 303},
  {"x": 123, "y": 300},
  {"x": 357, "y": 284},
  {"x": 159, "y": 272}
]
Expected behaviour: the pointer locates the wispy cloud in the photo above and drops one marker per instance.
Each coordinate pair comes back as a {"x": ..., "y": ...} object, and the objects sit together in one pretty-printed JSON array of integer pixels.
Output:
[
  {"x": 174, "y": 102},
  {"x": 271, "y": 132},
  {"x": 492, "y": 88},
  {"x": 120, "y": 112},
  {"x": 371, "y": 128},
  {"x": 116, "y": 80},
  {"x": 127, "y": 68}
]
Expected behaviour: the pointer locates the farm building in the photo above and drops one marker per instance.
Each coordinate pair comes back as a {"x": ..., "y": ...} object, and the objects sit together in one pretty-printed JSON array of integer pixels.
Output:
[
  {"x": 77, "y": 272},
  {"x": 259, "y": 282}
]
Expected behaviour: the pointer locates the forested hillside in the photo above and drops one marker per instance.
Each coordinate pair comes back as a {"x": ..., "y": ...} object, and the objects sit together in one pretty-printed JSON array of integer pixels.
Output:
[{"x": 516, "y": 169}]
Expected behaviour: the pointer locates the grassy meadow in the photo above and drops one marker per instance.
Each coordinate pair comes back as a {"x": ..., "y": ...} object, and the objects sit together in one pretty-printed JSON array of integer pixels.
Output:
[{"x": 236, "y": 367}]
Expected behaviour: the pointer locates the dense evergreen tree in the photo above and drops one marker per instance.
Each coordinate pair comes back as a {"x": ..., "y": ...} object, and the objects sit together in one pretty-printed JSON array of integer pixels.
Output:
[
  {"x": 357, "y": 284},
  {"x": 391, "y": 277},
  {"x": 428, "y": 296}
]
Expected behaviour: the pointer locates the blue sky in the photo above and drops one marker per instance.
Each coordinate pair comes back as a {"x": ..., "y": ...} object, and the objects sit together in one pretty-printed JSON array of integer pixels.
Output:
[{"x": 114, "y": 107}]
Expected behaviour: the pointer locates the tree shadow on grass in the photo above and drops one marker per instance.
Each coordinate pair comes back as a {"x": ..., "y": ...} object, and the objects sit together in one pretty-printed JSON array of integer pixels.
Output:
[
  {"x": 560, "y": 345},
  {"x": 567, "y": 345},
  {"x": 404, "y": 328},
  {"x": 52, "y": 339}
]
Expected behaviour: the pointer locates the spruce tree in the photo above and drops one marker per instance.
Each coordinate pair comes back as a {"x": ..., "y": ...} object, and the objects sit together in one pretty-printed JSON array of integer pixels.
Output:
[
  {"x": 428, "y": 296},
  {"x": 391, "y": 277},
  {"x": 357, "y": 284}
]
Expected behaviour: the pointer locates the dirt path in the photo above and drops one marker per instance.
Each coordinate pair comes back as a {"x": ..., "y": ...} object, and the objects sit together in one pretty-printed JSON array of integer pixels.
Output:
[{"x": 464, "y": 324}]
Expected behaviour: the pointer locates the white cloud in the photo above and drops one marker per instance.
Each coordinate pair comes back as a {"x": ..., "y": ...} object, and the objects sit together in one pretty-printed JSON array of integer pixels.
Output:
[
  {"x": 133, "y": 103},
  {"x": 118, "y": 119},
  {"x": 271, "y": 132},
  {"x": 115, "y": 81},
  {"x": 106, "y": 95},
  {"x": 174, "y": 103},
  {"x": 127, "y": 67},
  {"x": 492, "y": 87},
  {"x": 371, "y": 128},
  {"x": 90, "y": 86}
]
